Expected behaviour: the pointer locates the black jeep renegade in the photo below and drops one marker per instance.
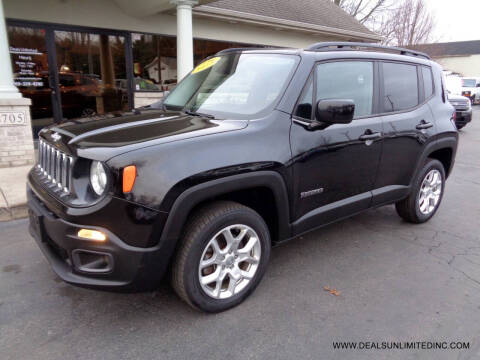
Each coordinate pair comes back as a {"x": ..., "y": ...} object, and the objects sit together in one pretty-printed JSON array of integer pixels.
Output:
[{"x": 252, "y": 148}]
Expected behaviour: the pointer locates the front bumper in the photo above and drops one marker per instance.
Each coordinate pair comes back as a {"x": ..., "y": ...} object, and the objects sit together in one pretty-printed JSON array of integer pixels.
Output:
[
  {"x": 129, "y": 267},
  {"x": 463, "y": 117}
]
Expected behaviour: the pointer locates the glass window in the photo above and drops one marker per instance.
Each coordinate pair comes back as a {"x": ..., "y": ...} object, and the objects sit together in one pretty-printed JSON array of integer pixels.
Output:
[
  {"x": 427, "y": 81},
  {"x": 400, "y": 86},
  {"x": 155, "y": 59},
  {"x": 28, "y": 52},
  {"x": 304, "y": 106},
  {"x": 91, "y": 67},
  {"x": 234, "y": 85},
  {"x": 351, "y": 80},
  {"x": 154, "y": 62},
  {"x": 469, "y": 82}
]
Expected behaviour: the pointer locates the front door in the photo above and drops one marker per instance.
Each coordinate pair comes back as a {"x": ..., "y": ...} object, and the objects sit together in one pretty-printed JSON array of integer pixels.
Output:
[{"x": 335, "y": 167}]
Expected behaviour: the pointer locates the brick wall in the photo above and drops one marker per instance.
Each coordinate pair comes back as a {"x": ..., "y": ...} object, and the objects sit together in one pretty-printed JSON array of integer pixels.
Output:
[{"x": 16, "y": 141}]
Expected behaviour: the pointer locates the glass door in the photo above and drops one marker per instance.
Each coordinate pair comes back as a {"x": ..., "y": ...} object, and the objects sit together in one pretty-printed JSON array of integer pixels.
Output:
[
  {"x": 32, "y": 74},
  {"x": 92, "y": 73}
]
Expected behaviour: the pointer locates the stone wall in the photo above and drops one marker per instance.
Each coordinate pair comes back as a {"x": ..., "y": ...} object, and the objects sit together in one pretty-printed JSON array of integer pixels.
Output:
[{"x": 16, "y": 141}]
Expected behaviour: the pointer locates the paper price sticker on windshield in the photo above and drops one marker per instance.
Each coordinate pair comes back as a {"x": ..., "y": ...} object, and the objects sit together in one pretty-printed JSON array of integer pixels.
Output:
[{"x": 206, "y": 64}]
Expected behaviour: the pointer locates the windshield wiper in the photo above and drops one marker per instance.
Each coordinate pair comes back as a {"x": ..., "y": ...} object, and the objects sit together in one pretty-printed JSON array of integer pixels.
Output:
[{"x": 194, "y": 113}]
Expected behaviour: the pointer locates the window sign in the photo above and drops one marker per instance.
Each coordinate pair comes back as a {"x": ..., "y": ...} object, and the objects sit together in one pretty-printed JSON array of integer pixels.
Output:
[{"x": 27, "y": 61}]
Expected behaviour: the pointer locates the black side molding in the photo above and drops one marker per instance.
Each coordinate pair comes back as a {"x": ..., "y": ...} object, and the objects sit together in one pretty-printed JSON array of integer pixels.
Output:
[{"x": 196, "y": 194}]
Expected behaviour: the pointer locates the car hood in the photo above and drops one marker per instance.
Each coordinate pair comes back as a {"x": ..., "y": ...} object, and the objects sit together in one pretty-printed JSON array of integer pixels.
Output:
[
  {"x": 452, "y": 97},
  {"x": 104, "y": 138}
]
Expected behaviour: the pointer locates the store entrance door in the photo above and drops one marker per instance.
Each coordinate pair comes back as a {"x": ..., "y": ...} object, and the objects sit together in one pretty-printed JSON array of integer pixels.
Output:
[
  {"x": 70, "y": 73},
  {"x": 33, "y": 74},
  {"x": 92, "y": 73}
]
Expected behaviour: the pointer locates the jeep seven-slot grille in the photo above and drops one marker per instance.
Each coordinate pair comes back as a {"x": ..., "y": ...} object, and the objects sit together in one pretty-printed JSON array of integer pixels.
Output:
[{"x": 55, "y": 165}]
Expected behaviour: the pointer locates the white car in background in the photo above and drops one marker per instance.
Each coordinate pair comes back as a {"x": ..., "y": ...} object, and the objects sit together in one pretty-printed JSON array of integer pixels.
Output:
[{"x": 471, "y": 89}]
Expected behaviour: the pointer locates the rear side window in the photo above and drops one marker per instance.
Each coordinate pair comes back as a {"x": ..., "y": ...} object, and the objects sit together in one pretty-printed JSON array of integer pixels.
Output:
[
  {"x": 351, "y": 80},
  {"x": 400, "y": 84},
  {"x": 427, "y": 81}
]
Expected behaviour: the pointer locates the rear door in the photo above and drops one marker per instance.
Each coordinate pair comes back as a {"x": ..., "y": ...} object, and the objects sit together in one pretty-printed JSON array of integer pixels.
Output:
[
  {"x": 407, "y": 124},
  {"x": 335, "y": 167}
]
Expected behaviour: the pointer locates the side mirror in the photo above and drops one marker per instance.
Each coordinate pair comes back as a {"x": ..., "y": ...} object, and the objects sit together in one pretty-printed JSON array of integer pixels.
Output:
[{"x": 335, "y": 111}]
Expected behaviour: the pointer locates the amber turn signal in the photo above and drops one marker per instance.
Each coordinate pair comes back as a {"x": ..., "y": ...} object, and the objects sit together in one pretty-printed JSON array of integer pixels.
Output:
[{"x": 129, "y": 175}]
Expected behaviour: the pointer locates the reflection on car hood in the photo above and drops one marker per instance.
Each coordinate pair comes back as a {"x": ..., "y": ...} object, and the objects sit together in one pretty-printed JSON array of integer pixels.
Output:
[
  {"x": 103, "y": 138},
  {"x": 452, "y": 97}
]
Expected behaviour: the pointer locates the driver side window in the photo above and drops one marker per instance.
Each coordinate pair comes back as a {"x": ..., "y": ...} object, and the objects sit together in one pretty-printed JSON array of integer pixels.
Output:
[{"x": 349, "y": 80}]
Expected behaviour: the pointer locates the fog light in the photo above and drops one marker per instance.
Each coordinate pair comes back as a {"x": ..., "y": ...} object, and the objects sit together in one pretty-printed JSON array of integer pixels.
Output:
[{"x": 92, "y": 235}]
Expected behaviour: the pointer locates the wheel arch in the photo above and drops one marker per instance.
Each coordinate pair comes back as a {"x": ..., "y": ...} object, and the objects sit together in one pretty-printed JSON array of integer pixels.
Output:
[
  {"x": 443, "y": 150},
  {"x": 236, "y": 188}
]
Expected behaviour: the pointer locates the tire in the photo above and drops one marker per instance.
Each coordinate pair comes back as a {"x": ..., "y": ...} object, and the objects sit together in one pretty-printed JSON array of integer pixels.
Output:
[
  {"x": 207, "y": 228},
  {"x": 460, "y": 126},
  {"x": 413, "y": 209}
]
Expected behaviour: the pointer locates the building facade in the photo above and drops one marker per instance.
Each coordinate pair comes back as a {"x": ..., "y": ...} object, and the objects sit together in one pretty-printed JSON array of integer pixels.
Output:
[
  {"x": 460, "y": 57},
  {"x": 73, "y": 58}
]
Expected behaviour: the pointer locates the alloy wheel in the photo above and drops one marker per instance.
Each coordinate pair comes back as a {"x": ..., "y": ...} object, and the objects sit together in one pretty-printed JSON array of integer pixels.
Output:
[
  {"x": 229, "y": 261},
  {"x": 430, "y": 192}
]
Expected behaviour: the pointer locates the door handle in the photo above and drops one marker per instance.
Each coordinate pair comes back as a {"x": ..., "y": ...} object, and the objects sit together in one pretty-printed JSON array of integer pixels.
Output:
[
  {"x": 424, "y": 125},
  {"x": 370, "y": 136}
]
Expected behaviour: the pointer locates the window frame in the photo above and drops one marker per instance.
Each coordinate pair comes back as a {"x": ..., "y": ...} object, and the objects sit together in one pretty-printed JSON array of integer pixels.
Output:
[
  {"x": 300, "y": 97},
  {"x": 313, "y": 74},
  {"x": 423, "y": 82}
]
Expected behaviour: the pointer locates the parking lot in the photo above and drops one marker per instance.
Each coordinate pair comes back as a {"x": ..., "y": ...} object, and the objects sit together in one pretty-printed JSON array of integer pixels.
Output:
[{"x": 396, "y": 282}]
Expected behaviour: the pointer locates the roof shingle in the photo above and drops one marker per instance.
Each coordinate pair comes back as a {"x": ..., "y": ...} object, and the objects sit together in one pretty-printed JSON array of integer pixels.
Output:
[
  {"x": 315, "y": 12},
  {"x": 457, "y": 48}
]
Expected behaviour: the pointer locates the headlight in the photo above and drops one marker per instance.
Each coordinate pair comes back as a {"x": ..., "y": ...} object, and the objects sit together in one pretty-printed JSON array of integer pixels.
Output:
[{"x": 98, "y": 177}]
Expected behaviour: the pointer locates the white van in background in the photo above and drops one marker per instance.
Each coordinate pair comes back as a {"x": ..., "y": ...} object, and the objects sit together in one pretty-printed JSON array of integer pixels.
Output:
[
  {"x": 471, "y": 89},
  {"x": 453, "y": 83}
]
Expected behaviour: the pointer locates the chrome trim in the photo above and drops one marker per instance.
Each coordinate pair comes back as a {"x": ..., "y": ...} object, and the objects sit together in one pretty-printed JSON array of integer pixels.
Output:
[{"x": 55, "y": 166}]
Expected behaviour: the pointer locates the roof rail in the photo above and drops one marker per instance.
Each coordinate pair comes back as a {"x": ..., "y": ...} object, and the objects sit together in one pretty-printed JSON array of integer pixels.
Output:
[
  {"x": 353, "y": 46},
  {"x": 244, "y": 49}
]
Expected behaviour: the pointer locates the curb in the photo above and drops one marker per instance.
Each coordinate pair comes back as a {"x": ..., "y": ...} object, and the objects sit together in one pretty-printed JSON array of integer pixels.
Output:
[{"x": 13, "y": 213}]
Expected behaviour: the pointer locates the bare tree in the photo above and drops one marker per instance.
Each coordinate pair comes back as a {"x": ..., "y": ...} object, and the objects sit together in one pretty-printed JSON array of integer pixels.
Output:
[
  {"x": 364, "y": 10},
  {"x": 400, "y": 22},
  {"x": 410, "y": 23}
]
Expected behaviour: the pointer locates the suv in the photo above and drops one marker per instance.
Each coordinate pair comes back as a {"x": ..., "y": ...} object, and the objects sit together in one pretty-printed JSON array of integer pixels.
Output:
[
  {"x": 463, "y": 109},
  {"x": 471, "y": 89},
  {"x": 252, "y": 148}
]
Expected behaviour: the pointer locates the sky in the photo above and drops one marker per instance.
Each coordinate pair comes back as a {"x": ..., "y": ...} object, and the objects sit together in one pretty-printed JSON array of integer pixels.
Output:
[{"x": 456, "y": 20}]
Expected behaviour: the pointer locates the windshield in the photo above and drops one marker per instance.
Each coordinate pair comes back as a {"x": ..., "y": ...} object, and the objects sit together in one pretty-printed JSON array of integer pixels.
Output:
[
  {"x": 234, "y": 85},
  {"x": 469, "y": 82}
]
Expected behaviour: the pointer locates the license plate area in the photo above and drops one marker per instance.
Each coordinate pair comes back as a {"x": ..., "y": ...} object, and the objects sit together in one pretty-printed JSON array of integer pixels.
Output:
[{"x": 36, "y": 224}]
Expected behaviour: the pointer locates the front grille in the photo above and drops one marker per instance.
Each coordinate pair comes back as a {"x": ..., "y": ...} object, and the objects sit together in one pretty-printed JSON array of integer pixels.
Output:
[
  {"x": 460, "y": 104},
  {"x": 56, "y": 166}
]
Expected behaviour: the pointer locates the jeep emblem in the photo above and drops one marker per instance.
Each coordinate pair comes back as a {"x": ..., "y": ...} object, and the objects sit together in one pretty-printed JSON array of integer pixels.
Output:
[{"x": 56, "y": 136}]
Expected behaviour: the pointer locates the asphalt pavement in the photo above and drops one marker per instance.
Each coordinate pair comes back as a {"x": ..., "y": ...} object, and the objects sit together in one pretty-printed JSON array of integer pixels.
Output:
[{"x": 396, "y": 283}]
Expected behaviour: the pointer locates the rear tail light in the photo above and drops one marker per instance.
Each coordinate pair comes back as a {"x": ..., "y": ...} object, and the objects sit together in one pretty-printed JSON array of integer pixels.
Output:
[{"x": 453, "y": 119}]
